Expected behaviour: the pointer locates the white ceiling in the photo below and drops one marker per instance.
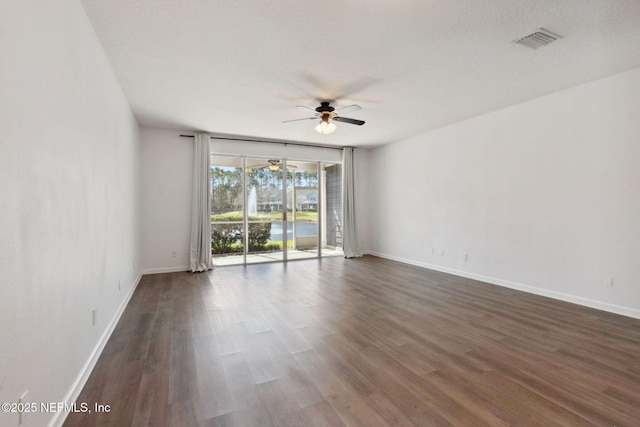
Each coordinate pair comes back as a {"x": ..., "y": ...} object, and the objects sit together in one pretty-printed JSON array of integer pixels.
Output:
[{"x": 240, "y": 67}]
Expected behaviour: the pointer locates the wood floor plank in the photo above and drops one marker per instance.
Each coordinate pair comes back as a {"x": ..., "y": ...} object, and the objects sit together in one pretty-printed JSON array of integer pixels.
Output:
[
  {"x": 321, "y": 414},
  {"x": 356, "y": 410},
  {"x": 214, "y": 397},
  {"x": 360, "y": 342}
]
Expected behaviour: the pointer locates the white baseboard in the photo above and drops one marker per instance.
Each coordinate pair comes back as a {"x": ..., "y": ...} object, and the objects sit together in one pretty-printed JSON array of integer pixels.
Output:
[
  {"x": 80, "y": 381},
  {"x": 165, "y": 270},
  {"x": 612, "y": 308}
]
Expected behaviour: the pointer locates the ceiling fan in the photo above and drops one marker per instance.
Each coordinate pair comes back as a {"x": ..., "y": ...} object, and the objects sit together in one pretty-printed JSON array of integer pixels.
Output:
[{"x": 327, "y": 114}]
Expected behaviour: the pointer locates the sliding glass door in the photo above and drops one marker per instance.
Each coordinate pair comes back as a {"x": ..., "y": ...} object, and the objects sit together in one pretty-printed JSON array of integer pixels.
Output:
[
  {"x": 267, "y": 210},
  {"x": 303, "y": 206},
  {"x": 331, "y": 209},
  {"x": 227, "y": 209}
]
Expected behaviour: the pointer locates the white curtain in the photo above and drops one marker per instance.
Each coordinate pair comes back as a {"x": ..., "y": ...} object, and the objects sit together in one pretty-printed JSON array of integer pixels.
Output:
[
  {"x": 350, "y": 236},
  {"x": 200, "y": 253}
]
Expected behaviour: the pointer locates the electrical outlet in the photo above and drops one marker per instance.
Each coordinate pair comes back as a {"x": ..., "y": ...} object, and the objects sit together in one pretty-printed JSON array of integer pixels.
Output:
[
  {"x": 441, "y": 252},
  {"x": 173, "y": 254},
  {"x": 94, "y": 315},
  {"x": 465, "y": 257},
  {"x": 608, "y": 281}
]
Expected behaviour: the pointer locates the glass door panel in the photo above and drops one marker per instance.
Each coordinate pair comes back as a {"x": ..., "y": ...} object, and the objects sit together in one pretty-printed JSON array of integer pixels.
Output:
[
  {"x": 304, "y": 200},
  {"x": 331, "y": 209},
  {"x": 265, "y": 210},
  {"x": 227, "y": 210}
]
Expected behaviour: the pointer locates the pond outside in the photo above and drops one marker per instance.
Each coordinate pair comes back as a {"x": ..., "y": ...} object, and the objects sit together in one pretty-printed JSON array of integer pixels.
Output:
[{"x": 303, "y": 229}]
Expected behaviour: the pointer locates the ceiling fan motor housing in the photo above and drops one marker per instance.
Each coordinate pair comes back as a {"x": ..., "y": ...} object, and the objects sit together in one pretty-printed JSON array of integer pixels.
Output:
[{"x": 325, "y": 108}]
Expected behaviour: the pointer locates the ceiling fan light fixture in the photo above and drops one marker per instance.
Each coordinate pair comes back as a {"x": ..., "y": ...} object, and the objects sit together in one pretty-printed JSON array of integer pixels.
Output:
[
  {"x": 325, "y": 127},
  {"x": 273, "y": 165}
]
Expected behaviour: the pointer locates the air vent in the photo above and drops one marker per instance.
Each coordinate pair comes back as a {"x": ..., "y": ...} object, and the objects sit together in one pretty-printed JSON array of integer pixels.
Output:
[{"x": 538, "y": 38}]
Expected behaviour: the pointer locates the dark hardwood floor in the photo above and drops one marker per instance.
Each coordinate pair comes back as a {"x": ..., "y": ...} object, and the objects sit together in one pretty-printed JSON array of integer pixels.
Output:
[{"x": 361, "y": 342}]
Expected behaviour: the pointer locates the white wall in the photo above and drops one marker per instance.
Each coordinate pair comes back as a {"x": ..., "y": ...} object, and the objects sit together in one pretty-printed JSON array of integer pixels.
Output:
[
  {"x": 543, "y": 196},
  {"x": 69, "y": 208},
  {"x": 166, "y": 199}
]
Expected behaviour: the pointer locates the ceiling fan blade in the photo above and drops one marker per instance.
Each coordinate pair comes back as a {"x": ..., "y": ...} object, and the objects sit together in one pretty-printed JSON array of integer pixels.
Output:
[
  {"x": 350, "y": 121},
  {"x": 349, "y": 108},
  {"x": 297, "y": 120},
  {"x": 307, "y": 108}
]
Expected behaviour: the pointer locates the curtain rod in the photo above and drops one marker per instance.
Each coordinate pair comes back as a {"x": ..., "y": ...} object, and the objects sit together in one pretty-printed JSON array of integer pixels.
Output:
[{"x": 270, "y": 142}]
